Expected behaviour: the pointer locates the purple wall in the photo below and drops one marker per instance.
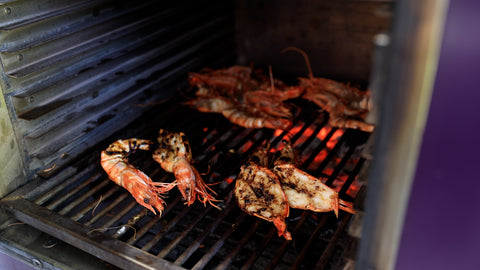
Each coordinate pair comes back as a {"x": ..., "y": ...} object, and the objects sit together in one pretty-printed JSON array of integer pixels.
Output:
[{"x": 442, "y": 227}]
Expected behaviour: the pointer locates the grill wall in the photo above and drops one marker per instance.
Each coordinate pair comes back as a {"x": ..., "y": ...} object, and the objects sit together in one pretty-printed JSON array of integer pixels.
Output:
[{"x": 75, "y": 72}]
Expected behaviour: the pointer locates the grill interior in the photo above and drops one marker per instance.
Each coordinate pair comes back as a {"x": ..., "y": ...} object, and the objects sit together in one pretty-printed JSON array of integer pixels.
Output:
[
  {"x": 81, "y": 206},
  {"x": 78, "y": 74}
]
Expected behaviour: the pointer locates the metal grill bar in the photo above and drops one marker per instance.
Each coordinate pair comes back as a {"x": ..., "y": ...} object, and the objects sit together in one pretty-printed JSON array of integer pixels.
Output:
[
  {"x": 211, "y": 252},
  {"x": 352, "y": 177},
  {"x": 120, "y": 214},
  {"x": 92, "y": 205},
  {"x": 152, "y": 222},
  {"x": 283, "y": 248},
  {"x": 193, "y": 246},
  {"x": 56, "y": 186},
  {"x": 240, "y": 245},
  {"x": 106, "y": 209},
  {"x": 310, "y": 158},
  {"x": 101, "y": 245},
  {"x": 340, "y": 166},
  {"x": 311, "y": 138},
  {"x": 305, "y": 249},
  {"x": 74, "y": 191},
  {"x": 182, "y": 235},
  {"x": 259, "y": 250},
  {"x": 330, "y": 156},
  {"x": 332, "y": 243},
  {"x": 165, "y": 229},
  {"x": 82, "y": 198}
]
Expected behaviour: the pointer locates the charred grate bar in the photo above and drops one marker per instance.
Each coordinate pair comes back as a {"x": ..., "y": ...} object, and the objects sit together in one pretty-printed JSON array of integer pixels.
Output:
[{"x": 82, "y": 207}]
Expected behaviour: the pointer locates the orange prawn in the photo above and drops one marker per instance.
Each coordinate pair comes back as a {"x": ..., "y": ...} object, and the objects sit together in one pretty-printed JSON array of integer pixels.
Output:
[
  {"x": 114, "y": 161},
  {"x": 174, "y": 155}
]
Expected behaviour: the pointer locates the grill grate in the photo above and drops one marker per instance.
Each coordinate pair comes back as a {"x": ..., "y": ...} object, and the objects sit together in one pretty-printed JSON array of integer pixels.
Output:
[{"x": 82, "y": 207}]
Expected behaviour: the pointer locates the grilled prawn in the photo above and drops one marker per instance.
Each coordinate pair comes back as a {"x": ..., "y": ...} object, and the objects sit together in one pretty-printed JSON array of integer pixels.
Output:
[
  {"x": 303, "y": 190},
  {"x": 114, "y": 161},
  {"x": 237, "y": 114},
  {"x": 175, "y": 156},
  {"x": 244, "y": 96},
  {"x": 259, "y": 193},
  {"x": 347, "y": 106}
]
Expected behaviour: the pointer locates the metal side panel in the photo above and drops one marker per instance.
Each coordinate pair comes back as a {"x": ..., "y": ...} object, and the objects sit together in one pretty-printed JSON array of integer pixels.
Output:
[
  {"x": 74, "y": 72},
  {"x": 17, "y": 13},
  {"x": 103, "y": 246}
]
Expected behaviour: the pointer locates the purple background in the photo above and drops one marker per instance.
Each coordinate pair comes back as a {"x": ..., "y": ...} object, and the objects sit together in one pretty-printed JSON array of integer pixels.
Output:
[{"x": 442, "y": 227}]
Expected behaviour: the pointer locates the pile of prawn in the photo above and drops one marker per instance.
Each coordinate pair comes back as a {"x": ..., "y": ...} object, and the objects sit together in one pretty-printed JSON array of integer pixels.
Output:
[
  {"x": 244, "y": 95},
  {"x": 173, "y": 154},
  {"x": 250, "y": 99}
]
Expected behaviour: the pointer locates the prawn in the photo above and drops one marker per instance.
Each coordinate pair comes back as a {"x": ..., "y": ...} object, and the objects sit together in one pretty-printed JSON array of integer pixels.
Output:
[
  {"x": 114, "y": 161},
  {"x": 175, "y": 156}
]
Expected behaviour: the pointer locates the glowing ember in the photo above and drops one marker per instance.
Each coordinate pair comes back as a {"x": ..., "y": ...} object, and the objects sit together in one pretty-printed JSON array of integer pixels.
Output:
[
  {"x": 229, "y": 180},
  {"x": 245, "y": 147},
  {"x": 337, "y": 134},
  {"x": 353, "y": 189},
  {"x": 327, "y": 171},
  {"x": 305, "y": 135},
  {"x": 323, "y": 133},
  {"x": 295, "y": 130},
  {"x": 318, "y": 159},
  {"x": 277, "y": 132},
  {"x": 339, "y": 182},
  {"x": 333, "y": 141},
  {"x": 274, "y": 149}
]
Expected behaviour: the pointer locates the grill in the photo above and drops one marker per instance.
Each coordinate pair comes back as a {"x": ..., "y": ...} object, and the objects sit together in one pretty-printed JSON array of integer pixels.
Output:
[
  {"x": 76, "y": 75},
  {"x": 84, "y": 208}
]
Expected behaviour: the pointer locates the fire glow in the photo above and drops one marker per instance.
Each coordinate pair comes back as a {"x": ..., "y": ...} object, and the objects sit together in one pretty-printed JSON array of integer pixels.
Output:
[
  {"x": 334, "y": 139},
  {"x": 323, "y": 133}
]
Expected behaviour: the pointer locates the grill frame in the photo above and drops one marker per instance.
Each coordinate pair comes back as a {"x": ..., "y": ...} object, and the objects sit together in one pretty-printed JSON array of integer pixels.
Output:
[{"x": 371, "y": 257}]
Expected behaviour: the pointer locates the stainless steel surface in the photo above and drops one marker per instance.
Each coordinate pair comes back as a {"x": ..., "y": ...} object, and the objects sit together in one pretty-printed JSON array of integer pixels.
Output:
[
  {"x": 403, "y": 85},
  {"x": 37, "y": 250},
  {"x": 8, "y": 262}
]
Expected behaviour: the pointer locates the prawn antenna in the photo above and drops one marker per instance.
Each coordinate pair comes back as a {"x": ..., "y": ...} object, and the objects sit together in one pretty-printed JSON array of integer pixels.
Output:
[
  {"x": 305, "y": 56},
  {"x": 271, "y": 77}
]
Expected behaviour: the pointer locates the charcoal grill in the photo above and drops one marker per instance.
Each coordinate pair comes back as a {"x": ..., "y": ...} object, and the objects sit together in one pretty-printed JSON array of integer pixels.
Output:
[
  {"x": 78, "y": 75},
  {"x": 84, "y": 208}
]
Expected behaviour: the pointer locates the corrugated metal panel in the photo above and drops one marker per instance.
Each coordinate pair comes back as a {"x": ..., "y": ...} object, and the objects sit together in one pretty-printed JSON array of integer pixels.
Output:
[{"x": 74, "y": 72}]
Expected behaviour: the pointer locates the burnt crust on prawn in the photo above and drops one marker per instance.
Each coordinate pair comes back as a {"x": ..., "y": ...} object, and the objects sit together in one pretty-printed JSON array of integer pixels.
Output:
[
  {"x": 268, "y": 190},
  {"x": 175, "y": 156},
  {"x": 303, "y": 190},
  {"x": 258, "y": 192}
]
